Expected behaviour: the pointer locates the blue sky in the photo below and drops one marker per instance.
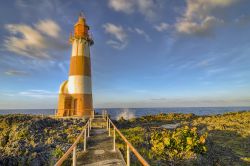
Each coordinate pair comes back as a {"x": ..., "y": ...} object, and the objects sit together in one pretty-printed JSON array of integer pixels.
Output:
[{"x": 147, "y": 53}]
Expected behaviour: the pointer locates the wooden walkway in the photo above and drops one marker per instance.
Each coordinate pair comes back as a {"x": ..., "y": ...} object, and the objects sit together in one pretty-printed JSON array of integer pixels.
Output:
[{"x": 100, "y": 148}]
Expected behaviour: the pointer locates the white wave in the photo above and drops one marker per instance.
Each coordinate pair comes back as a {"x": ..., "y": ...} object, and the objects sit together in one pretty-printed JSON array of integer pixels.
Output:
[{"x": 126, "y": 114}]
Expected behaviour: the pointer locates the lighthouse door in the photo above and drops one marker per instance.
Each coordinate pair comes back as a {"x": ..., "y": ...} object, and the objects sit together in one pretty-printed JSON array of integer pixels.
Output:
[{"x": 75, "y": 107}]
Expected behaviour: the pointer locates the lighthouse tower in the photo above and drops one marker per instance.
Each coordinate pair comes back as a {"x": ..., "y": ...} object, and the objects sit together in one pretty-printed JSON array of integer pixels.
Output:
[{"x": 75, "y": 94}]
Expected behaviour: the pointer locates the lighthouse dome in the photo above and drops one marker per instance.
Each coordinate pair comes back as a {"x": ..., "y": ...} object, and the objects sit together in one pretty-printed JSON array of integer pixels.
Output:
[{"x": 63, "y": 87}]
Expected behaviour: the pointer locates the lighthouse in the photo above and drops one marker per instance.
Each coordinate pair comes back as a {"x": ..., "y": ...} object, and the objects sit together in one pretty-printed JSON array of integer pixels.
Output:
[{"x": 75, "y": 94}]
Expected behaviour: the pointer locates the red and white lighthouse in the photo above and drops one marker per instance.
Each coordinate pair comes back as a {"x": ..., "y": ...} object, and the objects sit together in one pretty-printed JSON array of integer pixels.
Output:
[{"x": 75, "y": 94}]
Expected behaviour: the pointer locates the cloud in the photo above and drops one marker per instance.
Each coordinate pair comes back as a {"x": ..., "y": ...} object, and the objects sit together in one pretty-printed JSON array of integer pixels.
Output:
[
  {"x": 159, "y": 99},
  {"x": 48, "y": 27},
  {"x": 243, "y": 20},
  {"x": 118, "y": 33},
  {"x": 62, "y": 66},
  {"x": 15, "y": 73},
  {"x": 116, "y": 44},
  {"x": 141, "y": 32},
  {"x": 33, "y": 42},
  {"x": 162, "y": 27},
  {"x": 198, "y": 17},
  {"x": 147, "y": 8},
  {"x": 205, "y": 27},
  {"x": 122, "y": 5},
  {"x": 218, "y": 70},
  {"x": 37, "y": 93}
]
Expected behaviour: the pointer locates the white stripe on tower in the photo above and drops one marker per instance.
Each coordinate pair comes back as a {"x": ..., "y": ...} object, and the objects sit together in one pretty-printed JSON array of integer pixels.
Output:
[
  {"x": 74, "y": 48},
  {"x": 80, "y": 48},
  {"x": 79, "y": 84},
  {"x": 87, "y": 52}
]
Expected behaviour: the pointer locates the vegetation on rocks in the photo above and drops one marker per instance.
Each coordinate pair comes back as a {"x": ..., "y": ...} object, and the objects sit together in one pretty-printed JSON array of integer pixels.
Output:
[
  {"x": 35, "y": 140},
  {"x": 182, "y": 143},
  {"x": 198, "y": 140}
]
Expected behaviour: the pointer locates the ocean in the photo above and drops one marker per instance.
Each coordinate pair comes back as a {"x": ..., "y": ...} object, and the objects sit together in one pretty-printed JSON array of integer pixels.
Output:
[{"x": 128, "y": 113}]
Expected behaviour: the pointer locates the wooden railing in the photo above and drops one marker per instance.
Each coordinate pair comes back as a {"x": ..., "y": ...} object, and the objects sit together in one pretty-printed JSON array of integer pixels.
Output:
[
  {"x": 85, "y": 132},
  {"x": 73, "y": 148},
  {"x": 129, "y": 145}
]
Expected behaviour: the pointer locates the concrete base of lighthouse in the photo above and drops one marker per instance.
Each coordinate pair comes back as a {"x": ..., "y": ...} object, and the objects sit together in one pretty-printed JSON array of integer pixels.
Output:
[{"x": 79, "y": 105}]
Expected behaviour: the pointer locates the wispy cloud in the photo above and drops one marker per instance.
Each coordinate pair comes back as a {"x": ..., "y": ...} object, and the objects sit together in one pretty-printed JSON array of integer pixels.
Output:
[
  {"x": 33, "y": 42},
  {"x": 204, "y": 62},
  {"x": 159, "y": 99},
  {"x": 35, "y": 9},
  {"x": 147, "y": 8},
  {"x": 140, "y": 32},
  {"x": 63, "y": 67},
  {"x": 37, "y": 93},
  {"x": 119, "y": 35},
  {"x": 16, "y": 73},
  {"x": 216, "y": 70},
  {"x": 162, "y": 27},
  {"x": 33, "y": 93}
]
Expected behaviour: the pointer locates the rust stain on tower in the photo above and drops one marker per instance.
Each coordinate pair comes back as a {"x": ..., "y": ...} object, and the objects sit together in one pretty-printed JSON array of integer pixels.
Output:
[{"x": 75, "y": 94}]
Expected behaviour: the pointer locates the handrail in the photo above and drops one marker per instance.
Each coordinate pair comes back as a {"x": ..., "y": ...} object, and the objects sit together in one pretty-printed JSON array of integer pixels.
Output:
[
  {"x": 86, "y": 128},
  {"x": 73, "y": 146},
  {"x": 129, "y": 145}
]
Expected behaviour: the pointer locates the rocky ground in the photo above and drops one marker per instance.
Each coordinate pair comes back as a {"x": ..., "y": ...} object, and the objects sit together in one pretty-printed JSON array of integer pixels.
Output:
[
  {"x": 227, "y": 142},
  {"x": 35, "y": 140}
]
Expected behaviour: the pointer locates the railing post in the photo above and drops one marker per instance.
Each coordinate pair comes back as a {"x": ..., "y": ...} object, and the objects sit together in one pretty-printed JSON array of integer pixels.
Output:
[
  {"x": 88, "y": 128},
  {"x": 107, "y": 123},
  {"x": 114, "y": 138},
  {"x": 74, "y": 157},
  {"x": 85, "y": 140},
  {"x": 90, "y": 120},
  {"x": 128, "y": 156},
  {"x": 109, "y": 127}
]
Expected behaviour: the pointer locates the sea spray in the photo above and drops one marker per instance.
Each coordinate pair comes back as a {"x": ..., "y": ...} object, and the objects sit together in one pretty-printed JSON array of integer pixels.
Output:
[{"x": 126, "y": 114}]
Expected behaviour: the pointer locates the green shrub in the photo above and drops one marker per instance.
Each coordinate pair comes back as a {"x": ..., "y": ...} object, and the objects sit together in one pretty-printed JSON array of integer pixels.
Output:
[
  {"x": 183, "y": 143},
  {"x": 58, "y": 153}
]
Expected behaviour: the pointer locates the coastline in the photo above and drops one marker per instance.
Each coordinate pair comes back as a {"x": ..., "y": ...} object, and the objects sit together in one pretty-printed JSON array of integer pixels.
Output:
[
  {"x": 138, "y": 112},
  {"x": 42, "y": 140},
  {"x": 227, "y": 140}
]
